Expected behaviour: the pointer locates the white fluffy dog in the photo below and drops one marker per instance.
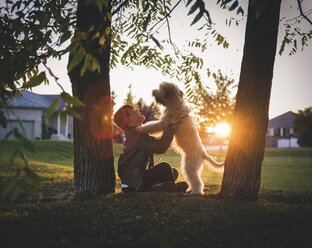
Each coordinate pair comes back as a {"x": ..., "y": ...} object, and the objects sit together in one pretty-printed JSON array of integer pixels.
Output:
[{"x": 186, "y": 135}]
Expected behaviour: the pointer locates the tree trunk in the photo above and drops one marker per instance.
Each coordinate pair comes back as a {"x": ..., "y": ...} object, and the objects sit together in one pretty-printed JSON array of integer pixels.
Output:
[
  {"x": 93, "y": 149},
  {"x": 242, "y": 171}
]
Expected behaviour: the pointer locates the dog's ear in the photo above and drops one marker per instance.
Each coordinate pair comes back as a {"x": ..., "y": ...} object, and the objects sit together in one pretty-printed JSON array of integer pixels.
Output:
[{"x": 181, "y": 93}]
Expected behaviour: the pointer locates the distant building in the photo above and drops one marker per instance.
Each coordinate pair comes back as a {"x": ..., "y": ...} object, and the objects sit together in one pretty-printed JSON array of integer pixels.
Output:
[
  {"x": 281, "y": 131},
  {"x": 29, "y": 109}
]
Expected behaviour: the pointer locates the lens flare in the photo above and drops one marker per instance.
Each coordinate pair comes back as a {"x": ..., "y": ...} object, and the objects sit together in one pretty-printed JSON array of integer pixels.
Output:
[
  {"x": 222, "y": 129},
  {"x": 100, "y": 119}
]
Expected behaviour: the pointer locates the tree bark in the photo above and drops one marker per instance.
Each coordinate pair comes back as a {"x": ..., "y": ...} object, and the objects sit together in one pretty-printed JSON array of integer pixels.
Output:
[
  {"x": 242, "y": 171},
  {"x": 93, "y": 150}
]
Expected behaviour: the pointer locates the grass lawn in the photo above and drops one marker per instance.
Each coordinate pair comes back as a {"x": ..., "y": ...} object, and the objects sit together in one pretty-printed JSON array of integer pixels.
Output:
[
  {"x": 283, "y": 169},
  {"x": 282, "y": 217}
]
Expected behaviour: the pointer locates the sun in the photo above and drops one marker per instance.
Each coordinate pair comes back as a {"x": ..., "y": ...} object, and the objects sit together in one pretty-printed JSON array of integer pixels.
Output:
[{"x": 222, "y": 129}]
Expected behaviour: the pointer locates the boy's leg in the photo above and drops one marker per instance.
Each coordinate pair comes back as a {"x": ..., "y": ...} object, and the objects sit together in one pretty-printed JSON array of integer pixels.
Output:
[
  {"x": 159, "y": 173},
  {"x": 161, "y": 178}
]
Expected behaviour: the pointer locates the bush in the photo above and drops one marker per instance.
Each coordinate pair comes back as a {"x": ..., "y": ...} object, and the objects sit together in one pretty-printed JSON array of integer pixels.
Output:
[{"x": 303, "y": 126}]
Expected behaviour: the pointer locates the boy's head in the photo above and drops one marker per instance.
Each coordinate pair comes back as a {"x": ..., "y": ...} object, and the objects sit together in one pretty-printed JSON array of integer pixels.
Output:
[{"x": 128, "y": 116}]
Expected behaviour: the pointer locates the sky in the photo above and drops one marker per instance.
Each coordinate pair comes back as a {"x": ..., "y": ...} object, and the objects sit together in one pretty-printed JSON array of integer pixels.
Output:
[{"x": 292, "y": 77}]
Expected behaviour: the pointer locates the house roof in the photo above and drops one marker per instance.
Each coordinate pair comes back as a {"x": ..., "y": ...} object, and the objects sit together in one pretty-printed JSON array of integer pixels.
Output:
[
  {"x": 32, "y": 100},
  {"x": 284, "y": 120}
]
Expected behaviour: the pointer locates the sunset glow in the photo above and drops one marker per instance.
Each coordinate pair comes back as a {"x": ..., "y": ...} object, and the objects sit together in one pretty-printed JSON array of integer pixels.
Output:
[{"x": 222, "y": 129}]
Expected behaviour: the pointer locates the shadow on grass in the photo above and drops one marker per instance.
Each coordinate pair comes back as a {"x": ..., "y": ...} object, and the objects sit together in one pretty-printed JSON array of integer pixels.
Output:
[
  {"x": 277, "y": 219},
  {"x": 156, "y": 220}
]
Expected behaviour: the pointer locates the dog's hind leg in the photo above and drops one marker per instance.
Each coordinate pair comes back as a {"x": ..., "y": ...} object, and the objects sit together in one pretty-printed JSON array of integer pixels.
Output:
[{"x": 191, "y": 169}]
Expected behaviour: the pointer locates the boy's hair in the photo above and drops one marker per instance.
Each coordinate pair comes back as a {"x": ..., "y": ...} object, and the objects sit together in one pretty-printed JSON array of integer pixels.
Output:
[{"x": 121, "y": 116}]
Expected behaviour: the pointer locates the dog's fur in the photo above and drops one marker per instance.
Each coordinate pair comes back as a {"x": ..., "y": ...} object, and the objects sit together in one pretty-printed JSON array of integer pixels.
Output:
[{"x": 186, "y": 135}]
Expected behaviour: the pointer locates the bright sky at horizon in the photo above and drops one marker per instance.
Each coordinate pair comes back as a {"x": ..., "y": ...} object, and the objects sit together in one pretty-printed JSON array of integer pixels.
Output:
[{"x": 291, "y": 88}]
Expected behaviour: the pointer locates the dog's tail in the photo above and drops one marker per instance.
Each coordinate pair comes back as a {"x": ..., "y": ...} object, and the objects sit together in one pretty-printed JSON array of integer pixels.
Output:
[{"x": 218, "y": 166}]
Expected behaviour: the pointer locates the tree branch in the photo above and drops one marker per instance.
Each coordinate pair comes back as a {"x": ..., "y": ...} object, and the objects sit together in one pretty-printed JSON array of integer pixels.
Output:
[
  {"x": 301, "y": 12},
  {"x": 168, "y": 25},
  {"x": 53, "y": 75},
  {"x": 165, "y": 15},
  {"x": 176, "y": 50},
  {"x": 306, "y": 13},
  {"x": 120, "y": 6}
]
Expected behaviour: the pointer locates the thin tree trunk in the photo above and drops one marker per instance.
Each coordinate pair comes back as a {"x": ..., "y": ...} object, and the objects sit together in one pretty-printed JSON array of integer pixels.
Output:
[
  {"x": 242, "y": 172},
  {"x": 93, "y": 150}
]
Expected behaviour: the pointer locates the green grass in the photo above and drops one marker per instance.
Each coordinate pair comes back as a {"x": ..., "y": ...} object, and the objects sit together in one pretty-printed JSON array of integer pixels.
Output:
[
  {"x": 287, "y": 169},
  {"x": 156, "y": 220},
  {"x": 282, "y": 217},
  {"x": 47, "y": 151},
  {"x": 283, "y": 169}
]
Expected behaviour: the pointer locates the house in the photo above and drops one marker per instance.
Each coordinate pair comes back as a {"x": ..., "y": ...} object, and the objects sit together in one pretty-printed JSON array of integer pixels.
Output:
[
  {"x": 281, "y": 131},
  {"x": 29, "y": 109}
]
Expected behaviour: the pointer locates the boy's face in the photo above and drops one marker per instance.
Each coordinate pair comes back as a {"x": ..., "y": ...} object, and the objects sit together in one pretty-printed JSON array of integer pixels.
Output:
[{"x": 135, "y": 118}]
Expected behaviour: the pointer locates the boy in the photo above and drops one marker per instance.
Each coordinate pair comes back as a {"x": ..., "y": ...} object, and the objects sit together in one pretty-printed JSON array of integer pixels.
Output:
[{"x": 136, "y": 165}]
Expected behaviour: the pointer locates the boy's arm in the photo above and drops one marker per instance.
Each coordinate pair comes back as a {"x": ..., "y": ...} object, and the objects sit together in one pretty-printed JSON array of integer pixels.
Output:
[
  {"x": 152, "y": 127},
  {"x": 157, "y": 145}
]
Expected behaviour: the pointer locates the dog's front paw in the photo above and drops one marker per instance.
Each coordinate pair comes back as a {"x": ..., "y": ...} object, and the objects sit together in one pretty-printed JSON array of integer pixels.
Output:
[{"x": 139, "y": 129}]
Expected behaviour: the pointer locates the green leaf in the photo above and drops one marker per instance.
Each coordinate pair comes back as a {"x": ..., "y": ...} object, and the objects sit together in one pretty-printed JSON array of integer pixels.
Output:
[
  {"x": 226, "y": 1},
  {"x": 55, "y": 116},
  {"x": 146, "y": 21},
  {"x": 198, "y": 16},
  {"x": 234, "y": 5},
  {"x": 189, "y": 94},
  {"x": 109, "y": 16},
  {"x": 240, "y": 10},
  {"x": 9, "y": 187},
  {"x": 3, "y": 120},
  {"x": 86, "y": 64},
  {"x": 35, "y": 81},
  {"x": 27, "y": 144},
  {"x": 17, "y": 134},
  {"x": 188, "y": 2},
  {"x": 97, "y": 34},
  {"x": 20, "y": 123},
  {"x": 63, "y": 117},
  {"x": 70, "y": 111},
  {"x": 91, "y": 28},
  {"x": 51, "y": 109},
  {"x": 67, "y": 34},
  {"x": 295, "y": 44},
  {"x": 194, "y": 8},
  {"x": 78, "y": 56},
  {"x": 34, "y": 179},
  {"x": 95, "y": 65},
  {"x": 8, "y": 135},
  {"x": 146, "y": 7},
  {"x": 225, "y": 44},
  {"x": 71, "y": 100}
]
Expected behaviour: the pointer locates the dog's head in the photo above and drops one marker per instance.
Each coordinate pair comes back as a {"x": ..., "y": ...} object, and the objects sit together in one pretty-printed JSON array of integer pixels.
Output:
[{"x": 167, "y": 93}]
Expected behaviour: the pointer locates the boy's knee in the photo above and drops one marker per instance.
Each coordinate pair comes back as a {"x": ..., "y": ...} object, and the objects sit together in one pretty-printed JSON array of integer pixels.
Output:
[{"x": 165, "y": 167}]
